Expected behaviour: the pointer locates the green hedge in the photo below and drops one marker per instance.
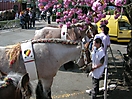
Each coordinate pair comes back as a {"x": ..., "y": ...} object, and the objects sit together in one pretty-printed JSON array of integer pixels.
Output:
[{"x": 9, "y": 23}]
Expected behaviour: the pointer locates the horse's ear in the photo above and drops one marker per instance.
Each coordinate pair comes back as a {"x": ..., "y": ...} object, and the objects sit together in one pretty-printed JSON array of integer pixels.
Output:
[{"x": 25, "y": 81}]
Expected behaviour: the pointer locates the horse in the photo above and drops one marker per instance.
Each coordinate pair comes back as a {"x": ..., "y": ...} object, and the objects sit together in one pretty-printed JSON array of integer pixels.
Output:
[
  {"x": 73, "y": 32},
  {"x": 15, "y": 86},
  {"x": 49, "y": 56}
]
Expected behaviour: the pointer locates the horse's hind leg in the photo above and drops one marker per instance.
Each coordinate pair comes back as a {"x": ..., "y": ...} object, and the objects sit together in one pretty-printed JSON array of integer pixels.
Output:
[{"x": 43, "y": 90}]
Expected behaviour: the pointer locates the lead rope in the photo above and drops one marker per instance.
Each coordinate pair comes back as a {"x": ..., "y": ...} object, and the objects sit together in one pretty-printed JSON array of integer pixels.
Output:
[{"x": 83, "y": 54}]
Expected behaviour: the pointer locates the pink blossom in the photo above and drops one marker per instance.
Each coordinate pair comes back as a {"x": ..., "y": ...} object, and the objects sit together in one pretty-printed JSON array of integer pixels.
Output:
[
  {"x": 55, "y": 6},
  {"x": 118, "y": 2},
  {"x": 105, "y": 22},
  {"x": 74, "y": 20},
  {"x": 103, "y": 15},
  {"x": 40, "y": 4},
  {"x": 61, "y": 25},
  {"x": 68, "y": 23},
  {"x": 96, "y": 20},
  {"x": 58, "y": 13},
  {"x": 117, "y": 15},
  {"x": 57, "y": 20}
]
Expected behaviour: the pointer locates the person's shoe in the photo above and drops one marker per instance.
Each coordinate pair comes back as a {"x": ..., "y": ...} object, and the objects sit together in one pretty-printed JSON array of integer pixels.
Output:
[{"x": 89, "y": 92}]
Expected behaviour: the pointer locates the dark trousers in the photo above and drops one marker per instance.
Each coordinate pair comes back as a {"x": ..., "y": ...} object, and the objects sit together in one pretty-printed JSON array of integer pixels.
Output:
[
  {"x": 49, "y": 20},
  {"x": 30, "y": 23},
  {"x": 95, "y": 89},
  {"x": 33, "y": 21},
  {"x": 27, "y": 25}
]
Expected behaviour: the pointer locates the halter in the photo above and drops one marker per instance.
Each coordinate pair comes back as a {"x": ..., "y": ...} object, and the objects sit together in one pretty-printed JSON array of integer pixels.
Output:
[
  {"x": 25, "y": 94},
  {"x": 83, "y": 54},
  {"x": 23, "y": 91}
]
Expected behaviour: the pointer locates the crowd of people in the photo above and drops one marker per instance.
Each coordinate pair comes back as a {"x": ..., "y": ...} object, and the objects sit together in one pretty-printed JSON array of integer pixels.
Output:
[{"x": 27, "y": 19}]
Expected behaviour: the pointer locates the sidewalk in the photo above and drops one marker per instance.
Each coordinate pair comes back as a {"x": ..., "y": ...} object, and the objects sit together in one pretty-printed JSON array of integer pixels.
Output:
[{"x": 42, "y": 23}]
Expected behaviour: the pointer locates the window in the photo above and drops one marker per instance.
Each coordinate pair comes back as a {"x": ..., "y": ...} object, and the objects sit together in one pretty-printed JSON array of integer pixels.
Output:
[{"x": 124, "y": 25}]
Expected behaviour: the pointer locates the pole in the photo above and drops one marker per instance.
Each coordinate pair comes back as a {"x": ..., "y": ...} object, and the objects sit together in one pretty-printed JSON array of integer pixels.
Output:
[
  {"x": 106, "y": 74},
  {"x": 105, "y": 83}
]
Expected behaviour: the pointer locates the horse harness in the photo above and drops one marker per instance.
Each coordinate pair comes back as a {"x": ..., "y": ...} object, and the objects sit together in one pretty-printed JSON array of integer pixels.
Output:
[
  {"x": 29, "y": 61},
  {"x": 64, "y": 32}
]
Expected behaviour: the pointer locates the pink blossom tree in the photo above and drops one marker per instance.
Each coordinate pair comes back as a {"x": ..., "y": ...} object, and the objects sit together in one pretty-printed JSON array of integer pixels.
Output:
[{"x": 74, "y": 13}]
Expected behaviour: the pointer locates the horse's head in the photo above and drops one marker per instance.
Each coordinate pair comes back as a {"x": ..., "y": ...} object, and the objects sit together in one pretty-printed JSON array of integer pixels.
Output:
[
  {"x": 84, "y": 57},
  {"x": 79, "y": 30},
  {"x": 15, "y": 86}
]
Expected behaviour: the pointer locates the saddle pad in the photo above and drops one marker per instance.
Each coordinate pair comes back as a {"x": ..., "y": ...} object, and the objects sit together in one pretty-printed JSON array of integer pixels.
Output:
[
  {"x": 28, "y": 57},
  {"x": 64, "y": 32}
]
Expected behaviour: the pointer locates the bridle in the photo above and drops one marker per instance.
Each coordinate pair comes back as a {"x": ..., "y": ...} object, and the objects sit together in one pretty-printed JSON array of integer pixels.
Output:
[
  {"x": 24, "y": 92},
  {"x": 76, "y": 33}
]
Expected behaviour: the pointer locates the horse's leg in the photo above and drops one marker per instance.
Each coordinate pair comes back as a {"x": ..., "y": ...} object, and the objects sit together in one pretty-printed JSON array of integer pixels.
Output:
[
  {"x": 39, "y": 90},
  {"x": 43, "y": 90}
]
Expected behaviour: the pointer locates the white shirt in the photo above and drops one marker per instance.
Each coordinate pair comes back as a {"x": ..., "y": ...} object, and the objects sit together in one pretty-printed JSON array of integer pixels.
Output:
[
  {"x": 96, "y": 57},
  {"x": 105, "y": 40},
  {"x": 48, "y": 13}
]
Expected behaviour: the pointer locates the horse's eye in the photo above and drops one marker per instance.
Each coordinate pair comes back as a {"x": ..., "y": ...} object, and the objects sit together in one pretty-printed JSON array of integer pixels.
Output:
[{"x": 79, "y": 36}]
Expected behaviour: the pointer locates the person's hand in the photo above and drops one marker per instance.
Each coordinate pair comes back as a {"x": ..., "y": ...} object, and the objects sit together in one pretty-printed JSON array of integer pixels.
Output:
[
  {"x": 92, "y": 69},
  {"x": 95, "y": 67}
]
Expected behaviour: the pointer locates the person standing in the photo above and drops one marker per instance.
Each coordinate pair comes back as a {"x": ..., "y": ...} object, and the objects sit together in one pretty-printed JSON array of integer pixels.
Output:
[
  {"x": 48, "y": 17},
  {"x": 104, "y": 36},
  {"x": 30, "y": 21},
  {"x": 33, "y": 17},
  {"x": 16, "y": 15},
  {"x": 22, "y": 20},
  {"x": 27, "y": 19},
  {"x": 98, "y": 57},
  {"x": 43, "y": 15}
]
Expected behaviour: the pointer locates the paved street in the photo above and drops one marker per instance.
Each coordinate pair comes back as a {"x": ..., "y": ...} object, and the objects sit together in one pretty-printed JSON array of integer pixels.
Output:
[{"x": 69, "y": 84}]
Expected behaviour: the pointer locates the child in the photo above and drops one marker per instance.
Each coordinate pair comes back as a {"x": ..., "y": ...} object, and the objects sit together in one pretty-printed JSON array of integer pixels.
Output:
[{"x": 98, "y": 57}]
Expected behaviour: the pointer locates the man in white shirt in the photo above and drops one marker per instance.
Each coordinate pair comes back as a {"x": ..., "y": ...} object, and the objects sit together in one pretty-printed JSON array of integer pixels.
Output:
[
  {"x": 104, "y": 36},
  {"x": 98, "y": 57}
]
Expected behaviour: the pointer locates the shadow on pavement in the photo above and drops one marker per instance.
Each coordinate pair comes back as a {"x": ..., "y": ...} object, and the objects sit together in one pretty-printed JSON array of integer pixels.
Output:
[{"x": 74, "y": 68}]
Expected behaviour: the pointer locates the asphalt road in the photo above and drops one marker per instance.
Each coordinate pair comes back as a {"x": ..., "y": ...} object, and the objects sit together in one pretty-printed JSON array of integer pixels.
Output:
[{"x": 70, "y": 84}]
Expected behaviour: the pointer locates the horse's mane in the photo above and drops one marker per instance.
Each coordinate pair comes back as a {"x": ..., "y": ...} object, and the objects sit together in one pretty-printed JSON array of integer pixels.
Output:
[
  {"x": 56, "y": 40},
  {"x": 13, "y": 51},
  {"x": 54, "y": 26}
]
